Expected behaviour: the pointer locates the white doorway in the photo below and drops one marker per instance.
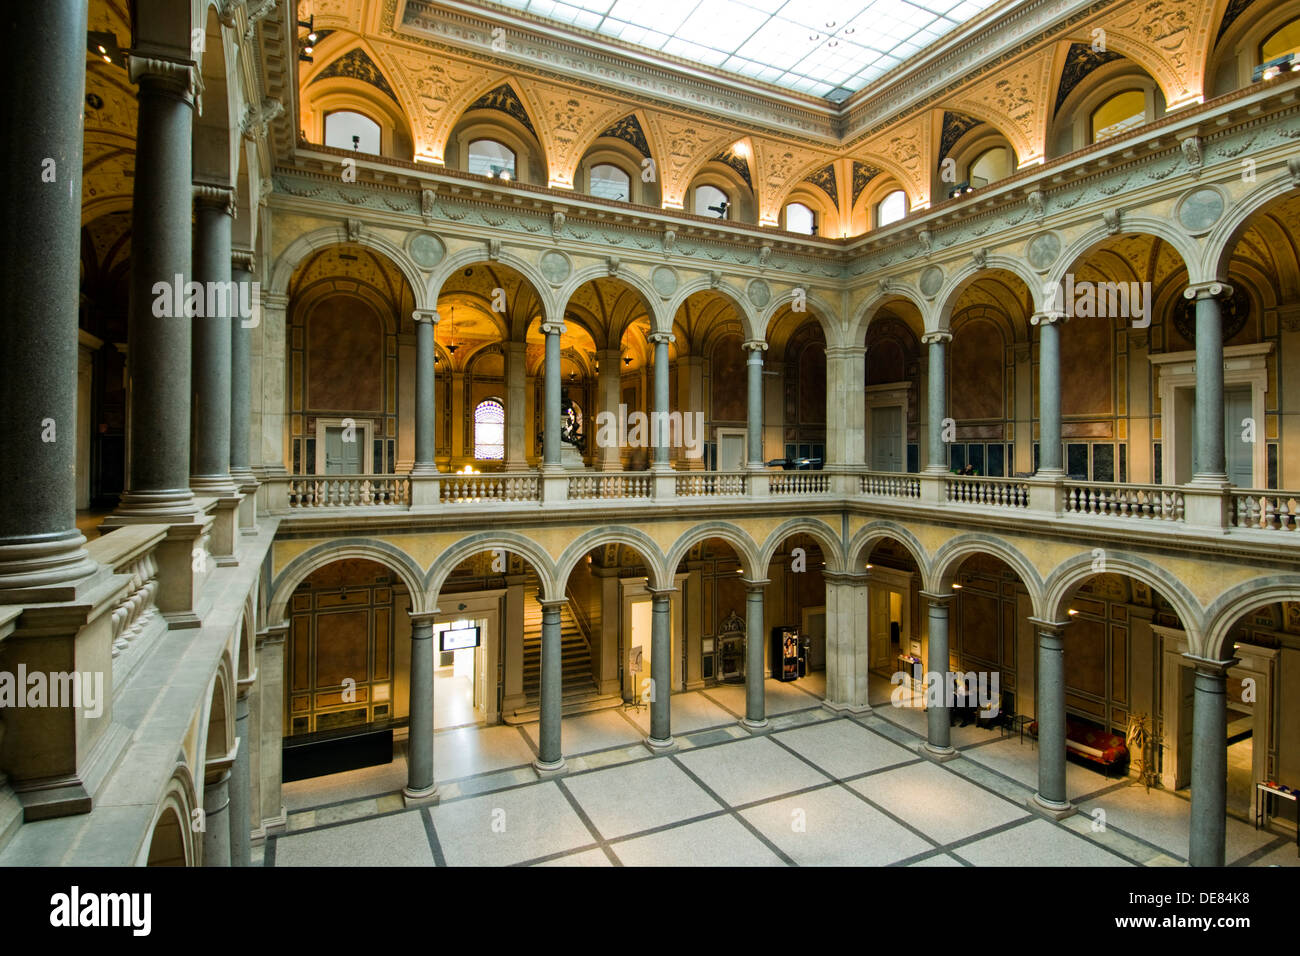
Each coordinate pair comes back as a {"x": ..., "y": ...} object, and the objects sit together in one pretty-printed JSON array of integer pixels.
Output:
[
  {"x": 343, "y": 447},
  {"x": 887, "y": 426},
  {"x": 459, "y": 690},
  {"x": 731, "y": 448}
]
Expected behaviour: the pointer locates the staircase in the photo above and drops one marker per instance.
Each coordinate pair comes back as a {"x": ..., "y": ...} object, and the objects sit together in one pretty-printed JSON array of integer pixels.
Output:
[{"x": 575, "y": 654}]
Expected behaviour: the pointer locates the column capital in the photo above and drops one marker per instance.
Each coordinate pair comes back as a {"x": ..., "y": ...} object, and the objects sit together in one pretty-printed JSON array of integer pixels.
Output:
[
  {"x": 846, "y": 351},
  {"x": 245, "y": 260},
  {"x": 426, "y": 315},
  {"x": 181, "y": 75},
  {"x": 938, "y": 599},
  {"x": 546, "y": 602},
  {"x": 1049, "y": 317},
  {"x": 754, "y": 345},
  {"x": 275, "y": 300},
  {"x": 553, "y": 328},
  {"x": 661, "y": 592},
  {"x": 1207, "y": 290},
  {"x": 1047, "y": 626},
  {"x": 753, "y": 585},
  {"x": 215, "y": 197},
  {"x": 852, "y": 578},
  {"x": 941, "y": 337},
  {"x": 657, "y": 338},
  {"x": 423, "y": 617},
  {"x": 1211, "y": 667}
]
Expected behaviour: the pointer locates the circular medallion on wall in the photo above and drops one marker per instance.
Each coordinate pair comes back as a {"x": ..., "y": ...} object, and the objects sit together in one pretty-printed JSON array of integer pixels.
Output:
[
  {"x": 664, "y": 279},
  {"x": 556, "y": 267},
  {"x": 759, "y": 293},
  {"x": 931, "y": 282},
  {"x": 1200, "y": 209},
  {"x": 1043, "y": 250},
  {"x": 1234, "y": 312},
  {"x": 425, "y": 249}
]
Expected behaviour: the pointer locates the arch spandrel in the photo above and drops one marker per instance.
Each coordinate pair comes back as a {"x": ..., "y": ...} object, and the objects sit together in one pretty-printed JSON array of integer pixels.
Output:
[
  {"x": 826, "y": 537},
  {"x": 294, "y": 560}
]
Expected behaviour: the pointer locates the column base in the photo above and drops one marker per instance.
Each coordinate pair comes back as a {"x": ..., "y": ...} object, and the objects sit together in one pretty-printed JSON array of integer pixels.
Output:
[
  {"x": 1051, "y": 808},
  {"x": 57, "y": 559},
  {"x": 548, "y": 769},
  {"x": 665, "y": 746},
  {"x": 155, "y": 507},
  {"x": 756, "y": 726},
  {"x": 213, "y": 486},
  {"x": 838, "y": 708},
  {"x": 937, "y": 754},
  {"x": 427, "y": 797},
  {"x": 425, "y": 468}
]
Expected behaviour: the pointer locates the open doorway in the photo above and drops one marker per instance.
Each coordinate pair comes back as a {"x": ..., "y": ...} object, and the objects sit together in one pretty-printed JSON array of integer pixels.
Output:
[{"x": 458, "y": 690}]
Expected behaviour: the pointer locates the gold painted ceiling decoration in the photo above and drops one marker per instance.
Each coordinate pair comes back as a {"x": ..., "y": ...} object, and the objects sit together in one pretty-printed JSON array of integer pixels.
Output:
[
  {"x": 1081, "y": 60},
  {"x": 1235, "y": 9},
  {"x": 356, "y": 65},
  {"x": 824, "y": 179},
  {"x": 862, "y": 175},
  {"x": 955, "y": 126},
  {"x": 504, "y": 99},
  {"x": 629, "y": 131},
  {"x": 729, "y": 157}
]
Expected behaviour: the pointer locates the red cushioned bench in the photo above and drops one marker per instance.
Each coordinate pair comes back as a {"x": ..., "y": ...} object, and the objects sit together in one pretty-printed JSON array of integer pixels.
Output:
[{"x": 1091, "y": 743}]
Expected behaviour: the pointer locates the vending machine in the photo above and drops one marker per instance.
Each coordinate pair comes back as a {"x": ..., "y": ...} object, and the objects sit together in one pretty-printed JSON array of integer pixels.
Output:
[{"x": 785, "y": 653}]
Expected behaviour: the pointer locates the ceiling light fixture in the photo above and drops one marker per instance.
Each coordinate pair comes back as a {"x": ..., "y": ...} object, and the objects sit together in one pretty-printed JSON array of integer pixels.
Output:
[{"x": 104, "y": 45}]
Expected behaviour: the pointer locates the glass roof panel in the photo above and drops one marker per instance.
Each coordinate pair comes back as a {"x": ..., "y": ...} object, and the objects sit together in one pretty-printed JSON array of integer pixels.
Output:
[{"x": 809, "y": 46}]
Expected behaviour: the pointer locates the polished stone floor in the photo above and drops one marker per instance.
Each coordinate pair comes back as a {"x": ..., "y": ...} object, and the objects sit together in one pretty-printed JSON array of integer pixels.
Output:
[{"x": 816, "y": 789}]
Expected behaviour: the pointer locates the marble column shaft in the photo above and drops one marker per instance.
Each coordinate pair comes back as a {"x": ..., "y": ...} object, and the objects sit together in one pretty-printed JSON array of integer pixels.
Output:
[
  {"x": 661, "y": 647},
  {"x": 240, "y": 786},
  {"x": 939, "y": 736},
  {"x": 1051, "y": 716},
  {"x": 660, "y": 408},
  {"x": 216, "y": 824},
  {"x": 517, "y": 440},
  {"x": 1049, "y": 391},
  {"x": 755, "y": 643},
  {"x": 550, "y": 754},
  {"x": 419, "y": 746},
  {"x": 551, "y": 432},
  {"x": 44, "y": 80},
  {"x": 425, "y": 394},
  {"x": 938, "y": 398},
  {"x": 754, "y": 421},
  {"x": 213, "y": 220},
  {"x": 158, "y": 329},
  {"x": 1209, "y": 784},
  {"x": 241, "y": 370},
  {"x": 1211, "y": 460}
]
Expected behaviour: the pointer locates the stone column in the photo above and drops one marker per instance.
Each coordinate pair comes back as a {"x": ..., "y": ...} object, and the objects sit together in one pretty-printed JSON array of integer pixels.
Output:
[
  {"x": 214, "y": 212},
  {"x": 1051, "y": 796},
  {"x": 659, "y": 410},
  {"x": 241, "y": 782},
  {"x": 754, "y": 422},
  {"x": 755, "y": 644},
  {"x": 551, "y": 435},
  {"x": 426, "y": 412},
  {"x": 158, "y": 361},
  {"x": 216, "y": 823},
  {"x": 45, "y": 78},
  {"x": 938, "y": 407},
  {"x": 1050, "y": 463},
  {"x": 516, "y": 406},
  {"x": 847, "y": 647},
  {"x": 608, "y": 454},
  {"x": 939, "y": 739},
  {"x": 661, "y": 656},
  {"x": 270, "y": 399},
  {"x": 1206, "y": 843},
  {"x": 550, "y": 759},
  {"x": 241, "y": 376},
  {"x": 1211, "y": 464},
  {"x": 269, "y": 736},
  {"x": 846, "y": 407},
  {"x": 420, "y": 786}
]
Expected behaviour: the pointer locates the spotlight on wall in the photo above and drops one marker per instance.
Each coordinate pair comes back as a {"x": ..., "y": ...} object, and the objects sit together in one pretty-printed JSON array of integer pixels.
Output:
[
  {"x": 627, "y": 360},
  {"x": 1072, "y": 612},
  {"x": 721, "y": 209},
  {"x": 104, "y": 45},
  {"x": 961, "y": 189},
  {"x": 356, "y": 143},
  {"x": 956, "y": 587},
  {"x": 309, "y": 41}
]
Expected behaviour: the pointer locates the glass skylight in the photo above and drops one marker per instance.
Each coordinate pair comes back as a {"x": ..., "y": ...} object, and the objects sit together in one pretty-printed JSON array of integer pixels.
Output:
[{"x": 811, "y": 46}]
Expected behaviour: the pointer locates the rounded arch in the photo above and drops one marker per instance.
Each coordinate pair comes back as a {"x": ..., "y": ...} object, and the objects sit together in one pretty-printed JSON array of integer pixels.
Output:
[
  {"x": 744, "y": 546},
  {"x": 721, "y": 176},
  {"x": 1229, "y": 607},
  {"x": 870, "y": 535},
  {"x": 826, "y": 213},
  {"x": 170, "y": 839},
  {"x": 508, "y": 541},
  {"x": 969, "y": 273},
  {"x": 956, "y": 550},
  {"x": 895, "y": 290},
  {"x": 705, "y": 284},
  {"x": 381, "y": 552},
  {"x": 633, "y": 538},
  {"x": 217, "y": 726},
  {"x": 660, "y": 320},
  {"x": 297, "y": 252},
  {"x": 477, "y": 256},
  {"x": 822, "y": 533},
  {"x": 1132, "y": 223},
  {"x": 1070, "y": 127},
  {"x": 815, "y": 306},
  {"x": 1218, "y": 246},
  {"x": 1066, "y": 578},
  {"x": 323, "y": 94}
]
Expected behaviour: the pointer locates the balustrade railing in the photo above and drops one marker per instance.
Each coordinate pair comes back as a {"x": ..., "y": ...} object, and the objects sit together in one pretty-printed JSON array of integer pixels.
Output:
[
  {"x": 798, "y": 483},
  {"x": 635, "y": 484},
  {"x": 698, "y": 484},
  {"x": 890, "y": 484},
  {"x": 1267, "y": 510},
  {"x": 1155, "y": 502},
  {"x": 349, "y": 491},
  {"x": 466, "y": 489},
  {"x": 991, "y": 492}
]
